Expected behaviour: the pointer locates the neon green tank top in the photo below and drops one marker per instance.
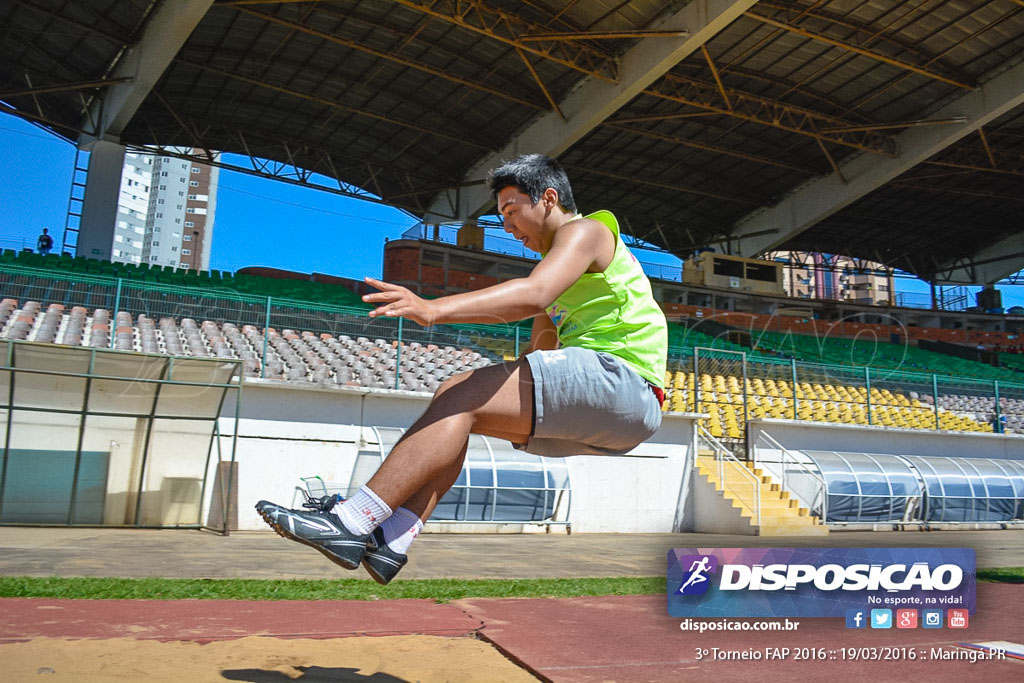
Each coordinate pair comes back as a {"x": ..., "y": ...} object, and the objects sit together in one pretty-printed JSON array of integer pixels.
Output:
[{"x": 615, "y": 312}]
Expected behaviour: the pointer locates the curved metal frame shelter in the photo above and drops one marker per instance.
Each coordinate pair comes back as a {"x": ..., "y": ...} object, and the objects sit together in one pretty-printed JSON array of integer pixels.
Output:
[
  {"x": 98, "y": 437},
  {"x": 971, "y": 489},
  {"x": 497, "y": 484},
  {"x": 865, "y": 487},
  {"x": 862, "y": 488}
]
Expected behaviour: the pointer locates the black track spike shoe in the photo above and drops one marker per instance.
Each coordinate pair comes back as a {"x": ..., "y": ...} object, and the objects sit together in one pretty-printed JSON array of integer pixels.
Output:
[
  {"x": 381, "y": 562},
  {"x": 318, "y": 528}
]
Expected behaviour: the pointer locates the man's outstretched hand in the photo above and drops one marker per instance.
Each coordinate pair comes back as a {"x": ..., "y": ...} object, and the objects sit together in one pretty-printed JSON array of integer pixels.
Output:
[{"x": 397, "y": 301}]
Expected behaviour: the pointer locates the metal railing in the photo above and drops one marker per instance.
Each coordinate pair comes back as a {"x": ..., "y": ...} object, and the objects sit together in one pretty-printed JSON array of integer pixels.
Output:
[
  {"x": 726, "y": 461},
  {"x": 943, "y": 399},
  {"x": 869, "y": 395},
  {"x": 784, "y": 466}
]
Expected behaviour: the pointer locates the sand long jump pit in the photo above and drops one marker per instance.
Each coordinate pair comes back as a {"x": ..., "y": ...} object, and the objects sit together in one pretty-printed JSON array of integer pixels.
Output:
[
  {"x": 383, "y": 659},
  {"x": 43, "y": 639}
]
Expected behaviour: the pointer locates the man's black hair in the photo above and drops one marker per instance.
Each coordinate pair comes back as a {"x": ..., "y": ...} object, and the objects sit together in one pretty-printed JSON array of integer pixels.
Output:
[{"x": 531, "y": 174}]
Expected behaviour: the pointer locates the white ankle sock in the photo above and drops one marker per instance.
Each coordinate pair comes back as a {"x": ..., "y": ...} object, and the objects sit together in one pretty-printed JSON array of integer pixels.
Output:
[
  {"x": 363, "y": 512},
  {"x": 401, "y": 529}
]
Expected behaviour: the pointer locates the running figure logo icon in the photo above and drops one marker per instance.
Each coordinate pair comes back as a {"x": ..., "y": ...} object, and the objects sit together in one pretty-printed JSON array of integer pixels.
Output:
[{"x": 696, "y": 581}]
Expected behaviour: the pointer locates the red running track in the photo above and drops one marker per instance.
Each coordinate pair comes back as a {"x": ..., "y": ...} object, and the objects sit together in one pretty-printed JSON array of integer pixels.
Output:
[
  {"x": 209, "y": 620},
  {"x": 632, "y": 638},
  {"x": 620, "y": 638}
]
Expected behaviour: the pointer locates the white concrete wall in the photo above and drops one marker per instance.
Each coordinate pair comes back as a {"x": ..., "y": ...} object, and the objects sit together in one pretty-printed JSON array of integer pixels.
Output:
[
  {"x": 642, "y": 492},
  {"x": 273, "y": 455},
  {"x": 287, "y": 431},
  {"x": 712, "y": 513},
  {"x": 799, "y": 435}
]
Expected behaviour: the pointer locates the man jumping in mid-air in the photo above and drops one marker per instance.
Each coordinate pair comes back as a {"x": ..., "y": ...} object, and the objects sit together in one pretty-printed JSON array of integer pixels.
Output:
[{"x": 589, "y": 383}]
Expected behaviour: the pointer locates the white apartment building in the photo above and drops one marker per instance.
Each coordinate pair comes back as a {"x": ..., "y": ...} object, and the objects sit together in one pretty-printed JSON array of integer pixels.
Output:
[
  {"x": 808, "y": 275},
  {"x": 165, "y": 212},
  {"x": 132, "y": 208}
]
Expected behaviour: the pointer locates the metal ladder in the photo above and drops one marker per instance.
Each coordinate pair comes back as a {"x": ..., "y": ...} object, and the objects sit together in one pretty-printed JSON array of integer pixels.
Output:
[{"x": 76, "y": 201}]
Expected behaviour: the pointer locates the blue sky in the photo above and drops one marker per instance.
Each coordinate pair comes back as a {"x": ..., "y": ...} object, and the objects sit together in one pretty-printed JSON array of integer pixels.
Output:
[{"x": 323, "y": 232}]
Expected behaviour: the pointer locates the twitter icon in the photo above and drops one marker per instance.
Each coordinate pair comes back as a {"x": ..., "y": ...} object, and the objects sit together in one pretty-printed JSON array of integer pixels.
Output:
[{"x": 881, "y": 618}]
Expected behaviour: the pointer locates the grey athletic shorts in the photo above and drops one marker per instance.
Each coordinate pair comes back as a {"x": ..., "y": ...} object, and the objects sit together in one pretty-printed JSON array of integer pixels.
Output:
[{"x": 588, "y": 403}]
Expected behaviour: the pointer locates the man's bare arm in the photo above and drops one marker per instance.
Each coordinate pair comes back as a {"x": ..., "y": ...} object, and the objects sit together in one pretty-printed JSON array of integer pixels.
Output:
[
  {"x": 543, "y": 336},
  {"x": 576, "y": 247}
]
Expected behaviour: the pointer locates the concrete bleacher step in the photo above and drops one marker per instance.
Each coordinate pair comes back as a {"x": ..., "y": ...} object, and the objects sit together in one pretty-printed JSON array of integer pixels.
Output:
[{"x": 780, "y": 514}]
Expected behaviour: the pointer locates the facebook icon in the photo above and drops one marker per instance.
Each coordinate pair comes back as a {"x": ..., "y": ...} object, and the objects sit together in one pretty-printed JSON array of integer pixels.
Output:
[{"x": 856, "y": 618}]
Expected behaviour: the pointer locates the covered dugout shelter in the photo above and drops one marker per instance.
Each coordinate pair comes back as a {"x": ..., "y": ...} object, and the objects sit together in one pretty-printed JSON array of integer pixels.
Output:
[{"x": 890, "y": 131}]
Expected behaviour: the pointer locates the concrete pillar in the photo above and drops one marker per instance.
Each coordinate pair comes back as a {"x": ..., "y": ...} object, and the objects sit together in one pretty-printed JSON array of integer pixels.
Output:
[{"x": 99, "y": 207}]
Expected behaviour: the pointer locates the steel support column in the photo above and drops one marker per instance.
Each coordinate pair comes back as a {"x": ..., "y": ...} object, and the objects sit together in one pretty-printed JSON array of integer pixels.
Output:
[
  {"x": 144, "y": 63},
  {"x": 595, "y": 100},
  {"x": 768, "y": 229}
]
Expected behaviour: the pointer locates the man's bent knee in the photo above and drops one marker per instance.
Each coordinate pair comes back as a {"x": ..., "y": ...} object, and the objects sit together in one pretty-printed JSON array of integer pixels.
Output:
[
  {"x": 451, "y": 382},
  {"x": 475, "y": 387},
  {"x": 483, "y": 374}
]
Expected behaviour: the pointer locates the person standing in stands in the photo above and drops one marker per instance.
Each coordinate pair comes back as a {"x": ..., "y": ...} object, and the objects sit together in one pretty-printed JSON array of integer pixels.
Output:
[
  {"x": 44, "y": 244},
  {"x": 590, "y": 381}
]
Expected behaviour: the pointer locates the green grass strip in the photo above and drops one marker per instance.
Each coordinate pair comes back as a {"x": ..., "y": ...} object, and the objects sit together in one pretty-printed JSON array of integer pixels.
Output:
[
  {"x": 1002, "y": 575},
  {"x": 441, "y": 590}
]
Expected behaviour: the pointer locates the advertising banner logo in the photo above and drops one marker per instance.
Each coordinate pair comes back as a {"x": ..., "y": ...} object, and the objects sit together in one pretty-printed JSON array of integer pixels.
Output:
[
  {"x": 906, "y": 618},
  {"x": 696, "y": 579},
  {"x": 957, "y": 618},
  {"x": 821, "y": 582},
  {"x": 881, "y": 618}
]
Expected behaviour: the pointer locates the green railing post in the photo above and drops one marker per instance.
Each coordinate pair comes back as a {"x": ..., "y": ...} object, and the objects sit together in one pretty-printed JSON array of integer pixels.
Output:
[
  {"x": 746, "y": 409},
  {"x": 696, "y": 384},
  {"x": 516, "y": 328},
  {"x": 867, "y": 382},
  {"x": 793, "y": 361},
  {"x": 998, "y": 426},
  {"x": 398, "y": 355},
  {"x": 266, "y": 338},
  {"x": 117, "y": 306}
]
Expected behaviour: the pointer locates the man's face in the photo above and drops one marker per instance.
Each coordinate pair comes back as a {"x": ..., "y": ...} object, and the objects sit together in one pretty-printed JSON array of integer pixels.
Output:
[{"x": 524, "y": 219}]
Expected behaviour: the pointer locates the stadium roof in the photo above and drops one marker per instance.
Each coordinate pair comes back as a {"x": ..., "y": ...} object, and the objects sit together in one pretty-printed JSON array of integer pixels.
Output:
[{"x": 889, "y": 131}]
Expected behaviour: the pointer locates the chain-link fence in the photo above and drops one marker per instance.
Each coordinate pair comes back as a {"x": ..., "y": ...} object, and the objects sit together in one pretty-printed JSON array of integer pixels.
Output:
[
  {"x": 721, "y": 391},
  {"x": 1011, "y": 407},
  {"x": 277, "y": 338},
  {"x": 770, "y": 388},
  {"x": 280, "y": 338},
  {"x": 896, "y": 399},
  {"x": 968, "y": 403},
  {"x": 680, "y": 383},
  {"x": 829, "y": 393}
]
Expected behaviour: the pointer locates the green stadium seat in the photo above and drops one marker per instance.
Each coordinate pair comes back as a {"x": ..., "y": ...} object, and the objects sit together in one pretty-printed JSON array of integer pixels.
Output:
[{"x": 27, "y": 258}]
